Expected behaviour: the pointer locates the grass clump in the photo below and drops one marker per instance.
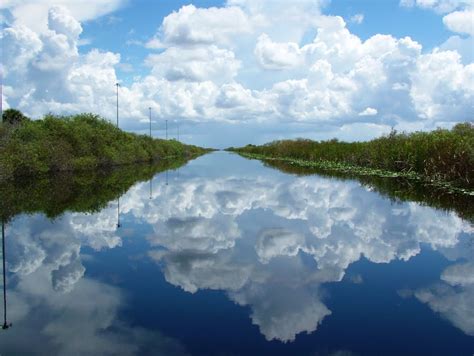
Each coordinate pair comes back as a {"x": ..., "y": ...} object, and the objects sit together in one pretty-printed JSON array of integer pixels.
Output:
[
  {"x": 441, "y": 157},
  {"x": 75, "y": 143}
]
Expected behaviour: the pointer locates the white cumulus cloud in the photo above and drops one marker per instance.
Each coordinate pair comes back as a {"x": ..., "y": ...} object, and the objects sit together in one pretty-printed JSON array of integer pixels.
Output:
[
  {"x": 247, "y": 61},
  {"x": 357, "y": 18},
  {"x": 368, "y": 112},
  {"x": 460, "y": 21}
]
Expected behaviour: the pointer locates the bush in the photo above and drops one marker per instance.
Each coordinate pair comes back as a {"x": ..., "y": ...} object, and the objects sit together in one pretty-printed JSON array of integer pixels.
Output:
[
  {"x": 78, "y": 142},
  {"x": 13, "y": 117}
]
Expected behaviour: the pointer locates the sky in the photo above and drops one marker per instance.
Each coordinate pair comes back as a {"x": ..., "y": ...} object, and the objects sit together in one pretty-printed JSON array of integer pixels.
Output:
[{"x": 235, "y": 72}]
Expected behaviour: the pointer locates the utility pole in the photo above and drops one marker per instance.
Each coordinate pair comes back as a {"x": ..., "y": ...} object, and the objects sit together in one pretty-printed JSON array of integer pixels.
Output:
[
  {"x": 117, "y": 85},
  {"x": 166, "y": 129},
  {"x": 5, "y": 324},
  {"x": 150, "y": 120},
  {"x": 118, "y": 213},
  {"x": 151, "y": 188}
]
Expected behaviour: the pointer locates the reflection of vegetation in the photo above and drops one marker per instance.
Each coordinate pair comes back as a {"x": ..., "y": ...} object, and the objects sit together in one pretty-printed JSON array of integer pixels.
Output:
[
  {"x": 79, "y": 191},
  {"x": 73, "y": 143},
  {"x": 442, "y": 157},
  {"x": 397, "y": 189}
]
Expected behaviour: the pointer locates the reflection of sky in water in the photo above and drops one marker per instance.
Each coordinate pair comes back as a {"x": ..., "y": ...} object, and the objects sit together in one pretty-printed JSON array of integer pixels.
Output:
[{"x": 292, "y": 252}]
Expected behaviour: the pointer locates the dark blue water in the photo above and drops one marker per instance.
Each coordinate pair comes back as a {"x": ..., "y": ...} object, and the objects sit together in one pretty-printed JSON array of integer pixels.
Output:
[{"x": 228, "y": 257}]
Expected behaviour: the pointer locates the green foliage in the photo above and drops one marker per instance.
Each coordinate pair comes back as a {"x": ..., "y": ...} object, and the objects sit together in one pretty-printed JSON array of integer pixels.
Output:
[
  {"x": 78, "y": 142},
  {"x": 13, "y": 117},
  {"x": 440, "y": 155}
]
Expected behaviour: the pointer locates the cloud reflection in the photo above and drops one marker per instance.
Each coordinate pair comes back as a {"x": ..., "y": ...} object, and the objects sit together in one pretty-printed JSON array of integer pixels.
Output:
[
  {"x": 453, "y": 296},
  {"x": 52, "y": 323},
  {"x": 58, "y": 310},
  {"x": 249, "y": 236},
  {"x": 269, "y": 240}
]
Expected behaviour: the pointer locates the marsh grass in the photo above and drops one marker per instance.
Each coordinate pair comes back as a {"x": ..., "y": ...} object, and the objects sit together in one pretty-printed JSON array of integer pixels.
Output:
[{"x": 444, "y": 158}]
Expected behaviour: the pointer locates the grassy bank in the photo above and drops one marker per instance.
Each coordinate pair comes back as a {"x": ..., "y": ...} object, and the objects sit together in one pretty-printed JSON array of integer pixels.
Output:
[
  {"x": 75, "y": 143},
  {"x": 444, "y": 158}
]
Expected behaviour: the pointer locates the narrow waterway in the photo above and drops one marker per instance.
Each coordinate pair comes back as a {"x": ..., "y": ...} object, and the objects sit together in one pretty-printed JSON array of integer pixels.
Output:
[{"x": 227, "y": 256}]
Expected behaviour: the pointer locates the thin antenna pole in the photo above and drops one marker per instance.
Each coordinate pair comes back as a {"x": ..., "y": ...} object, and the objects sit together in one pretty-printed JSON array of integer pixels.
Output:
[
  {"x": 166, "y": 129},
  {"x": 5, "y": 325},
  {"x": 118, "y": 212},
  {"x": 177, "y": 124},
  {"x": 150, "y": 120},
  {"x": 117, "y": 85}
]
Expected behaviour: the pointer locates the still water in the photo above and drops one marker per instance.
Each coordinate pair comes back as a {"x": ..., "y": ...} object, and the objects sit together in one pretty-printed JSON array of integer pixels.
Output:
[{"x": 226, "y": 256}]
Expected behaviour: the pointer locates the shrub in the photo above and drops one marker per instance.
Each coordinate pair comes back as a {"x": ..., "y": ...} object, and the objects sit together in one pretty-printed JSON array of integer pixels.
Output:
[
  {"x": 77, "y": 142},
  {"x": 13, "y": 117}
]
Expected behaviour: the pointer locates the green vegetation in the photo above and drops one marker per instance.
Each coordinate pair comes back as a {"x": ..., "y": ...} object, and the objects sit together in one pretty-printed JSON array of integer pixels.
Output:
[
  {"x": 83, "y": 191},
  {"x": 443, "y": 158},
  {"x": 13, "y": 117},
  {"x": 75, "y": 143}
]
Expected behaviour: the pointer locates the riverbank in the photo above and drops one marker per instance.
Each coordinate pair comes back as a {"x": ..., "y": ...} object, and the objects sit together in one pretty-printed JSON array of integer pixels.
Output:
[
  {"x": 442, "y": 158},
  {"x": 76, "y": 143}
]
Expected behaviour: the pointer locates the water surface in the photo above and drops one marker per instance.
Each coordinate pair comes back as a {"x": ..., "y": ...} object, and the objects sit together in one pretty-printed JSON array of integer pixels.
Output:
[{"x": 225, "y": 256}]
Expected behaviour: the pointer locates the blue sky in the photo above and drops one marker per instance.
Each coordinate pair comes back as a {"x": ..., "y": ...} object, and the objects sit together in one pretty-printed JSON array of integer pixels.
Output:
[
  {"x": 239, "y": 71},
  {"x": 387, "y": 16},
  {"x": 139, "y": 21}
]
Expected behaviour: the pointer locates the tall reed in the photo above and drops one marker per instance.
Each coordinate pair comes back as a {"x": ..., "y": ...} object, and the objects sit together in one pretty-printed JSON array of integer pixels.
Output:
[{"x": 440, "y": 155}]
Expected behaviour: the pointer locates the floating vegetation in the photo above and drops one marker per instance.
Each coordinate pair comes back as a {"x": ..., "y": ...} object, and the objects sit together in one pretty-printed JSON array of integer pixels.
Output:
[{"x": 362, "y": 171}]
